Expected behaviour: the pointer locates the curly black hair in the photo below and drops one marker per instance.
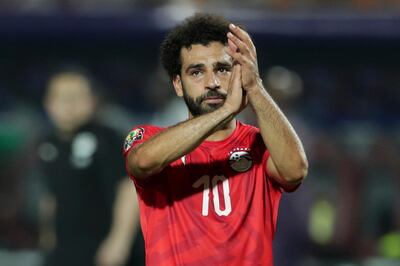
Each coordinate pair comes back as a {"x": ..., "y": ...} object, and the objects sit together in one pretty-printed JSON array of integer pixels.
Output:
[{"x": 200, "y": 28}]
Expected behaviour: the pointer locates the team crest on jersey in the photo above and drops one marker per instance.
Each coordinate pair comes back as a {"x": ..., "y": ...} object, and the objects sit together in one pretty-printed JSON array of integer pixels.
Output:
[
  {"x": 134, "y": 135},
  {"x": 240, "y": 159}
]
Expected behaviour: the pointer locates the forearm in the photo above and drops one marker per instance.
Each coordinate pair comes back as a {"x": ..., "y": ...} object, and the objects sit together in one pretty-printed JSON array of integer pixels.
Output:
[
  {"x": 284, "y": 145},
  {"x": 287, "y": 153},
  {"x": 116, "y": 247},
  {"x": 171, "y": 144},
  {"x": 125, "y": 214}
]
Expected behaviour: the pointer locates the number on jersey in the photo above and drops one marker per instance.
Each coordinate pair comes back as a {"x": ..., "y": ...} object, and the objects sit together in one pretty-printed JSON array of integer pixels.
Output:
[{"x": 206, "y": 181}]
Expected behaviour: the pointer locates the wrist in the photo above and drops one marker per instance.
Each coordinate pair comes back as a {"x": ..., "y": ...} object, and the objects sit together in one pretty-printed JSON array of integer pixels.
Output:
[
  {"x": 227, "y": 111},
  {"x": 256, "y": 88}
]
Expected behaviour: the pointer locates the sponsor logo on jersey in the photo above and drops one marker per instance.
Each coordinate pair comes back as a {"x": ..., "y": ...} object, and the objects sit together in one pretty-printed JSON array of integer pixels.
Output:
[
  {"x": 134, "y": 135},
  {"x": 240, "y": 159}
]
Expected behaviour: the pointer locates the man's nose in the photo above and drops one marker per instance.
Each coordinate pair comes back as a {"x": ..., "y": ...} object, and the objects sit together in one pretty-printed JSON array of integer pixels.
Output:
[{"x": 213, "y": 82}]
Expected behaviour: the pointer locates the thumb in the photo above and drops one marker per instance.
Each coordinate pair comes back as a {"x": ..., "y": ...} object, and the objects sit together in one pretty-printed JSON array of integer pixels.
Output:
[{"x": 235, "y": 78}]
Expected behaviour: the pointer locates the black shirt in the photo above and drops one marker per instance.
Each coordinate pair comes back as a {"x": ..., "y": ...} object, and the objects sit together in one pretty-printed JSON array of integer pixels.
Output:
[{"x": 82, "y": 174}]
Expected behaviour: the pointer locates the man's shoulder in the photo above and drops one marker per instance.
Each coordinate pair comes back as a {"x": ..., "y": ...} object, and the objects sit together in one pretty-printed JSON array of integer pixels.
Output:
[
  {"x": 146, "y": 129},
  {"x": 148, "y": 126},
  {"x": 249, "y": 136},
  {"x": 247, "y": 129},
  {"x": 139, "y": 134}
]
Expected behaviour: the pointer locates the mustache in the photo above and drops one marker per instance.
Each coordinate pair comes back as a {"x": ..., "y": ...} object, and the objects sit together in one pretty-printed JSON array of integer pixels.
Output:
[{"x": 210, "y": 94}]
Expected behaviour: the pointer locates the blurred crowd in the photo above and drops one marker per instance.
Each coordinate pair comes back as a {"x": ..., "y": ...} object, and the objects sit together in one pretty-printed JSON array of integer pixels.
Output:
[{"x": 344, "y": 107}]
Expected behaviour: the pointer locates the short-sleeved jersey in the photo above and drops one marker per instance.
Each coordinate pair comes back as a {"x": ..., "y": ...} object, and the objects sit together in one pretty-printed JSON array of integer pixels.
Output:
[{"x": 214, "y": 206}]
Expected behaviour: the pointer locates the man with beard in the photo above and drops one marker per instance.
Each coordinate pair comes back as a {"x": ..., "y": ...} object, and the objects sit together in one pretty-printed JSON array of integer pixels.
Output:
[{"x": 209, "y": 187}]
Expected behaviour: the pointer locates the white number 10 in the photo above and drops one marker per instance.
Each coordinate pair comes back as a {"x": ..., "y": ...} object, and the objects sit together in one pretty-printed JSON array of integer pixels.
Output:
[{"x": 205, "y": 180}]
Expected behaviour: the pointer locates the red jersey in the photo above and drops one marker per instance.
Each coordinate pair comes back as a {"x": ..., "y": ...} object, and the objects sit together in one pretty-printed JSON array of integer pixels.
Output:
[{"x": 214, "y": 206}]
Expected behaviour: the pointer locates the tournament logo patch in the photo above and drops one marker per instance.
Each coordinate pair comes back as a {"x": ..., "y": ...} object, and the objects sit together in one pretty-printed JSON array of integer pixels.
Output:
[
  {"x": 240, "y": 159},
  {"x": 134, "y": 135}
]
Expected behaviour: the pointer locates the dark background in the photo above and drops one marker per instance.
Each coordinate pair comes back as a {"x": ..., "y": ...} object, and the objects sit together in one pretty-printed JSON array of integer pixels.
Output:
[{"x": 332, "y": 67}]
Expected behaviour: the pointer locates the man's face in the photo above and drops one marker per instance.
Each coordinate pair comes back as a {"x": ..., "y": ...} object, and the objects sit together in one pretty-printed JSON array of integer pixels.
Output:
[
  {"x": 204, "y": 78},
  {"x": 69, "y": 101}
]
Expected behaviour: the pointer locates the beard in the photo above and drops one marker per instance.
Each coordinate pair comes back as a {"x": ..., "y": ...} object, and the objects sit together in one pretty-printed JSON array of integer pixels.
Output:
[{"x": 197, "y": 107}]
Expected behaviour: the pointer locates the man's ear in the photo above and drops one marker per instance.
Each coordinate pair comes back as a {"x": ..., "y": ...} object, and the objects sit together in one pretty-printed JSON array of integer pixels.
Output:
[{"x": 178, "y": 85}]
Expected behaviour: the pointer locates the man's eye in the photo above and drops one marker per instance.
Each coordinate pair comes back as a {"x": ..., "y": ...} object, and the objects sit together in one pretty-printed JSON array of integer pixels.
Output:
[
  {"x": 195, "y": 73},
  {"x": 222, "y": 70}
]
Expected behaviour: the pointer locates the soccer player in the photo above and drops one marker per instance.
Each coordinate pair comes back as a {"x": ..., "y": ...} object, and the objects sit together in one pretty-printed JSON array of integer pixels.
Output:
[{"x": 209, "y": 187}]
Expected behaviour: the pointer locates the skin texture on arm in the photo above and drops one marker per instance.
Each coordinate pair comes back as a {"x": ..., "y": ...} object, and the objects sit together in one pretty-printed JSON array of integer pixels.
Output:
[
  {"x": 156, "y": 153},
  {"x": 288, "y": 159},
  {"x": 287, "y": 163},
  {"x": 115, "y": 249}
]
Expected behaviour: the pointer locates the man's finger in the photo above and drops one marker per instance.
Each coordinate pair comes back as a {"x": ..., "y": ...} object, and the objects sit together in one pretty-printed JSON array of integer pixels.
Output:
[
  {"x": 234, "y": 71},
  {"x": 243, "y": 36},
  {"x": 232, "y": 46},
  {"x": 237, "y": 57},
  {"x": 238, "y": 76},
  {"x": 243, "y": 48},
  {"x": 235, "y": 80}
]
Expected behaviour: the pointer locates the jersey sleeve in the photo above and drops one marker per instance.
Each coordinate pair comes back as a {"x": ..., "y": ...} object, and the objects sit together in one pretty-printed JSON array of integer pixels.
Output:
[
  {"x": 136, "y": 136},
  {"x": 264, "y": 154}
]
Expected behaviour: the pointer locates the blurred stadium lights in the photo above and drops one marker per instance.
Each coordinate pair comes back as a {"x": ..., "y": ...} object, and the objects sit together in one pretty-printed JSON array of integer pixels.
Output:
[
  {"x": 288, "y": 83},
  {"x": 153, "y": 21}
]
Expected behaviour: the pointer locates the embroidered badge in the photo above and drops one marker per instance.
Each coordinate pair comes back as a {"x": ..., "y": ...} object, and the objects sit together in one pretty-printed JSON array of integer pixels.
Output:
[
  {"x": 240, "y": 159},
  {"x": 134, "y": 135}
]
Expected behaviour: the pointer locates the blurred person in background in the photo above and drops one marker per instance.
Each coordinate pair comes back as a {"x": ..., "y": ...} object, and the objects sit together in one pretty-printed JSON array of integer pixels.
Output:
[
  {"x": 213, "y": 67},
  {"x": 90, "y": 203}
]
